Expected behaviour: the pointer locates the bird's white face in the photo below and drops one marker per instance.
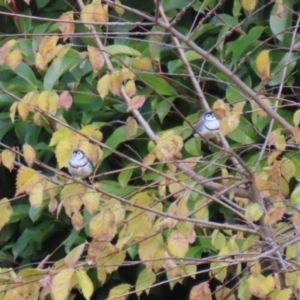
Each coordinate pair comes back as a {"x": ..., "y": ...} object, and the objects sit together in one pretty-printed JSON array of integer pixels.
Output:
[
  {"x": 210, "y": 117},
  {"x": 77, "y": 155}
]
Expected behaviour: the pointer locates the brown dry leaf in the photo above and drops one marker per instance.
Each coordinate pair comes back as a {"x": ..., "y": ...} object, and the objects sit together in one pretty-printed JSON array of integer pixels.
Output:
[
  {"x": 263, "y": 64},
  {"x": 142, "y": 63},
  {"x": 96, "y": 58},
  {"x": 131, "y": 127},
  {"x": 296, "y": 132},
  {"x": 168, "y": 146},
  {"x": 136, "y": 102},
  {"x": 61, "y": 284},
  {"x": 201, "y": 292},
  {"x": 115, "y": 83},
  {"x": 101, "y": 13},
  {"x": 5, "y": 212},
  {"x": 29, "y": 154},
  {"x": 66, "y": 28},
  {"x": 65, "y": 100},
  {"x": 87, "y": 15},
  {"x": 103, "y": 86},
  {"x": 249, "y": 5},
  {"x": 274, "y": 215},
  {"x": 8, "y": 159},
  {"x": 130, "y": 88},
  {"x": 274, "y": 171},
  {"x": 273, "y": 138},
  {"x": 14, "y": 58}
]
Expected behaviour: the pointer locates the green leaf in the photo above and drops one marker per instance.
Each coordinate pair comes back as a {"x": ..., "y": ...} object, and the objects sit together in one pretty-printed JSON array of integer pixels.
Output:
[
  {"x": 171, "y": 4},
  {"x": 244, "y": 133},
  {"x": 190, "y": 55},
  {"x": 22, "y": 241},
  {"x": 35, "y": 212},
  {"x": 122, "y": 49},
  {"x": 26, "y": 73},
  {"x": 158, "y": 84},
  {"x": 281, "y": 18},
  {"x": 163, "y": 108},
  {"x": 20, "y": 211},
  {"x": 125, "y": 175},
  {"x": 59, "y": 66}
]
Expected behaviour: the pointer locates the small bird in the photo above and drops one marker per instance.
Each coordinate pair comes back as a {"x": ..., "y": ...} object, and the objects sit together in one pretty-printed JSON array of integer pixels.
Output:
[
  {"x": 207, "y": 127},
  {"x": 79, "y": 165}
]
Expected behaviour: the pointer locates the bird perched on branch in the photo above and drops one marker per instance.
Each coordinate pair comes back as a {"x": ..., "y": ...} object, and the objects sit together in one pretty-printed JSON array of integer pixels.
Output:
[
  {"x": 207, "y": 127},
  {"x": 79, "y": 165}
]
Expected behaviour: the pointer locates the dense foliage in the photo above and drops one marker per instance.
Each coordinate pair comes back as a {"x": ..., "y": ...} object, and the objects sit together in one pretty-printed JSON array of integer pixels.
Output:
[{"x": 164, "y": 214}]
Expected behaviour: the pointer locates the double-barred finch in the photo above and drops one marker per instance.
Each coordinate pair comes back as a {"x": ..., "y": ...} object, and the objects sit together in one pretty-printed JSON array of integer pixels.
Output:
[
  {"x": 208, "y": 126},
  {"x": 79, "y": 165}
]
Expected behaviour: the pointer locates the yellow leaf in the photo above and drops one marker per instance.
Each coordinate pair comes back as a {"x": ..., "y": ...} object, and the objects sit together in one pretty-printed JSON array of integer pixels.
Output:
[
  {"x": 29, "y": 154},
  {"x": 255, "y": 269},
  {"x": 71, "y": 197},
  {"x": 66, "y": 28},
  {"x": 253, "y": 212},
  {"x": 63, "y": 133},
  {"x": 280, "y": 144},
  {"x": 96, "y": 58},
  {"x": 23, "y": 110},
  {"x": 201, "y": 291},
  {"x": 274, "y": 136},
  {"x": 65, "y": 100},
  {"x": 63, "y": 153},
  {"x": 40, "y": 62},
  {"x": 148, "y": 160},
  {"x": 201, "y": 210},
  {"x": 12, "y": 111},
  {"x": 14, "y": 58},
  {"x": 87, "y": 15},
  {"x": 142, "y": 63},
  {"x": 117, "y": 209},
  {"x": 223, "y": 292},
  {"x": 43, "y": 101},
  {"x": 169, "y": 145},
  {"x": 136, "y": 102},
  {"x": 218, "y": 240},
  {"x": 263, "y": 63},
  {"x": 115, "y": 83},
  {"x": 225, "y": 174},
  {"x": 85, "y": 284},
  {"x": 61, "y": 284},
  {"x": 26, "y": 179},
  {"x": 91, "y": 201},
  {"x": 130, "y": 88},
  {"x": 260, "y": 286},
  {"x": 4, "y": 50},
  {"x": 127, "y": 74},
  {"x": 5, "y": 212},
  {"x": 131, "y": 127},
  {"x": 36, "y": 195},
  {"x": 97, "y": 135},
  {"x": 31, "y": 98},
  {"x": 103, "y": 86},
  {"x": 103, "y": 226},
  {"x": 296, "y": 118},
  {"x": 8, "y": 158},
  {"x": 119, "y": 10},
  {"x": 177, "y": 244},
  {"x": 257, "y": 109},
  {"x": 92, "y": 151},
  {"x": 249, "y": 5},
  {"x": 281, "y": 294},
  {"x": 119, "y": 292},
  {"x": 287, "y": 168},
  {"x": 73, "y": 256},
  {"x": 101, "y": 13},
  {"x": 243, "y": 291},
  {"x": 77, "y": 221},
  {"x": 144, "y": 282},
  {"x": 53, "y": 101}
]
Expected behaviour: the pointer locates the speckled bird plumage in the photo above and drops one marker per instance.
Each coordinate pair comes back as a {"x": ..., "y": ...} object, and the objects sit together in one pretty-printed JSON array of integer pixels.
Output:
[
  {"x": 208, "y": 126},
  {"x": 79, "y": 165}
]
